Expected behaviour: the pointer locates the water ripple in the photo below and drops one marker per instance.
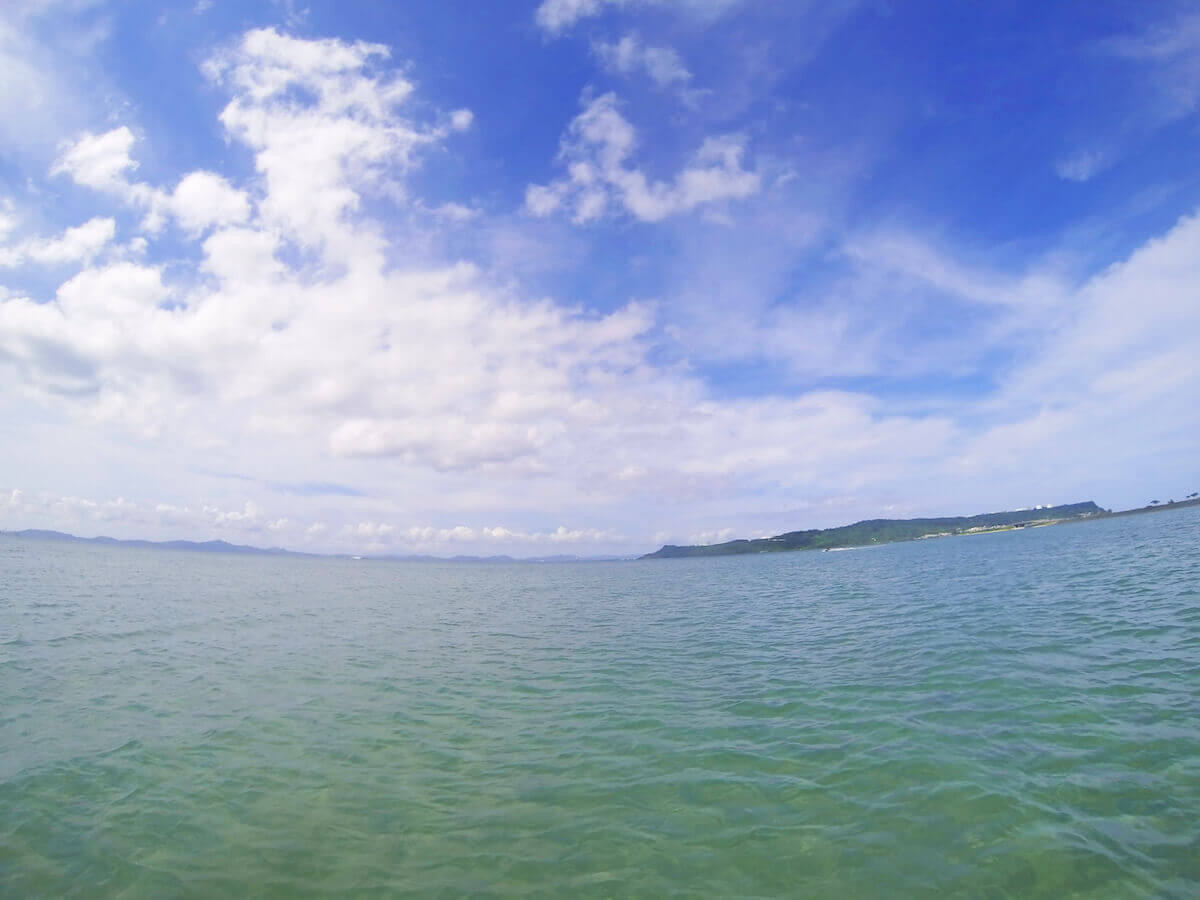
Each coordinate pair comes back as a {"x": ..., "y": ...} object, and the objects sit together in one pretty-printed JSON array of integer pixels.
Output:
[{"x": 1012, "y": 715}]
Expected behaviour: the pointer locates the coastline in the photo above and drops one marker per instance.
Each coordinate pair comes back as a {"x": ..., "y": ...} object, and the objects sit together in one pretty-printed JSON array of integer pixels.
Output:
[{"x": 779, "y": 543}]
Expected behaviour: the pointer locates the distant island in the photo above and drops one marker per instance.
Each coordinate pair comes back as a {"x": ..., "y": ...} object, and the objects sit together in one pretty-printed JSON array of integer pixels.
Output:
[{"x": 886, "y": 531}]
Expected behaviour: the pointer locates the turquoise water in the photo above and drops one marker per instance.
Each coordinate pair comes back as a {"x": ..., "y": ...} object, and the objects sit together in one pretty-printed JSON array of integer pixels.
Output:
[{"x": 1014, "y": 714}]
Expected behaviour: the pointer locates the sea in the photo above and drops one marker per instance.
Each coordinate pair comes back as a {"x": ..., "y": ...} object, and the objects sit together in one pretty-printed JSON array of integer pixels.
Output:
[{"x": 1014, "y": 714}]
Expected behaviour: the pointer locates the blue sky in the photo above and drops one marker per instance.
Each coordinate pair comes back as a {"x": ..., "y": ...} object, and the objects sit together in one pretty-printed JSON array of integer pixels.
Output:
[{"x": 587, "y": 276}]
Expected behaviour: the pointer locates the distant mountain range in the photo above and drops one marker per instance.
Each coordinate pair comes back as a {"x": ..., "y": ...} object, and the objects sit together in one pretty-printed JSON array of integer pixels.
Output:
[
  {"x": 886, "y": 531},
  {"x": 38, "y": 534}
]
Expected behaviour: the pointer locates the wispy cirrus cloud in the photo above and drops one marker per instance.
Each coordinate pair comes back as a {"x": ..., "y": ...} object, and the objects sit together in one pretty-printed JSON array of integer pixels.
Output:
[
  {"x": 1172, "y": 51},
  {"x": 630, "y": 56},
  {"x": 1083, "y": 165}
]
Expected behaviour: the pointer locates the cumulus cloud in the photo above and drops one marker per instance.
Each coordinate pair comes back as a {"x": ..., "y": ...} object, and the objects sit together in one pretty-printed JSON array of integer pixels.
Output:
[
  {"x": 303, "y": 332},
  {"x": 249, "y": 514},
  {"x": 295, "y": 327},
  {"x": 596, "y": 152},
  {"x": 122, "y": 515},
  {"x": 427, "y": 366},
  {"x": 104, "y": 163},
  {"x": 317, "y": 158},
  {"x": 99, "y": 161},
  {"x": 427, "y": 536},
  {"x": 80, "y": 243},
  {"x": 204, "y": 199}
]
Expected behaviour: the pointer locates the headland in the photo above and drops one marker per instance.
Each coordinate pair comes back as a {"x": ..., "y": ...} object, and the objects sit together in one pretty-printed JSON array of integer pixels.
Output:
[{"x": 871, "y": 532}]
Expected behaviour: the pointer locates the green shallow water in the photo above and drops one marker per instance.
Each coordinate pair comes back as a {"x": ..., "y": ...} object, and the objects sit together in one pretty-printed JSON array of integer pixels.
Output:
[{"x": 1015, "y": 714}]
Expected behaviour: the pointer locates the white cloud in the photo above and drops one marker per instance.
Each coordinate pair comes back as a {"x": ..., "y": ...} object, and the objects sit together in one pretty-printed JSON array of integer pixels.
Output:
[
  {"x": 123, "y": 516},
  {"x": 629, "y": 56},
  {"x": 103, "y": 163},
  {"x": 1112, "y": 381},
  {"x": 542, "y": 200},
  {"x": 428, "y": 536},
  {"x": 1139, "y": 317},
  {"x": 8, "y": 219},
  {"x": 317, "y": 158},
  {"x": 294, "y": 15},
  {"x": 1171, "y": 51},
  {"x": 455, "y": 213},
  {"x": 898, "y": 254},
  {"x": 1083, "y": 165},
  {"x": 596, "y": 152},
  {"x": 555, "y": 16},
  {"x": 563, "y": 535},
  {"x": 99, "y": 161},
  {"x": 250, "y": 522},
  {"x": 310, "y": 337},
  {"x": 717, "y": 536},
  {"x": 249, "y": 514},
  {"x": 204, "y": 199},
  {"x": 78, "y": 244},
  {"x": 884, "y": 314}
]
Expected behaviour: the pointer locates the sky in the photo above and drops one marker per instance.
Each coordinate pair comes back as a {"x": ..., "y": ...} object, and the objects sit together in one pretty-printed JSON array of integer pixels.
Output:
[{"x": 590, "y": 276}]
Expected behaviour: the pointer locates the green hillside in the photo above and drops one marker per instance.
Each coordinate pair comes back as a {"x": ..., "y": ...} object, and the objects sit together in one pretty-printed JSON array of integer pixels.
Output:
[{"x": 882, "y": 531}]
